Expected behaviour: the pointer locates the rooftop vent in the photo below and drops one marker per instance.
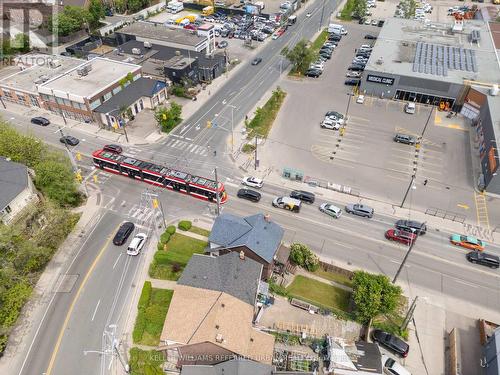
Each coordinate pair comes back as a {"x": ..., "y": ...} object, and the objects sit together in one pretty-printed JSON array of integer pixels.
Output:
[
  {"x": 242, "y": 255},
  {"x": 475, "y": 36},
  {"x": 219, "y": 338},
  {"x": 267, "y": 218},
  {"x": 380, "y": 61}
]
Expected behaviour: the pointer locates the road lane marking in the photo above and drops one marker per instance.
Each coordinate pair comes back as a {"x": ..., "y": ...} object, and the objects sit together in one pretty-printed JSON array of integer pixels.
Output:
[
  {"x": 116, "y": 261},
  {"x": 481, "y": 210},
  {"x": 73, "y": 303},
  {"x": 96, "y": 307}
]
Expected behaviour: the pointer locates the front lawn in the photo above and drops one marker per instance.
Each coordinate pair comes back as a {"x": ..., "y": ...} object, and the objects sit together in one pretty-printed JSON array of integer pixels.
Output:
[
  {"x": 318, "y": 293},
  {"x": 145, "y": 362},
  {"x": 168, "y": 264},
  {"x": 153, "y": 307},
  {"x": 200, "y": 231},
  {"x": 332, "y": 276}
]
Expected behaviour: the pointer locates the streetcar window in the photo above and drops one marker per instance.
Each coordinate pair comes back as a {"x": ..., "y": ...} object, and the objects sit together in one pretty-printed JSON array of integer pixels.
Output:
[{"x": 152, "y": 177}]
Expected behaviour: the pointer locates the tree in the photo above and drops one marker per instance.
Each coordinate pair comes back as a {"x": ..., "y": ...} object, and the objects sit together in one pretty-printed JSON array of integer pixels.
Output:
[
  {"x": 70, "y": 20},
  {"x": 168, "y": 118},
  {"x": 373, "y": 295},
  {"x": 302, "y": 256},
  {"x": 120, "y": 6},
  {"x": 97, "y": 12},
  {"x": 300, "y": 56},
  {"x": 359, "y": 9}
]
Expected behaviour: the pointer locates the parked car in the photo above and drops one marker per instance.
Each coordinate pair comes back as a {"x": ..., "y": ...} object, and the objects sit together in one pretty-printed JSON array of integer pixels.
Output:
[
  {"x": 411, "y": 226},
  {"x": 353, "y": 74},
  {"x": 287, "y": 203},
  {"x": 374, "y": 22},
  {"x": 356, "y": 68},
  {"x": 370, "y": 37},
  {"x": 469, "y": 242},
  {"x": 360, "y": 99},
  {"x": 331, "y": 210},
  {"x": 405, "y": 138},
  {"x": 334, "y": 115},
  {"x": 360, "y": 210},
  {"x": 403, "y": 237},
  {"x": 40, "y": 121},
  {"x": 302, "y": 195},
  {"x": 250, "y": 195},
  {"x": 137, "y": 244},
  {"x": 252, "y": 182},
  {"x": 328, "y": 123},
  {"x": 484, "y": 259},
  {"x": 113, "y": 148},
  {"x": 123, "y": 233},
  {"x": 352, "y": 82},
  {"x": 391, "y": 342},
  {"x": 257, "y": 61},
  {"x": 313, "y": 73},
  {"x": 410, "y": 108},
  {"x": 69, "y": 140},
  {"x": 223, "y": 44},
  {"x": 392, "y": 367}
]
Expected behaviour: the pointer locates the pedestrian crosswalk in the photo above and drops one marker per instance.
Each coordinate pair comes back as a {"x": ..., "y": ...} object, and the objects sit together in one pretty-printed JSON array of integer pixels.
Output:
[
  {"x": 140, "y": 213},
  {"x": 187, "y": 147}
]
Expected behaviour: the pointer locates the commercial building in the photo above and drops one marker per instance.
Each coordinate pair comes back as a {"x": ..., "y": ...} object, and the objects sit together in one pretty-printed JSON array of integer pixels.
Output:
[{"x": 431, "y": 63}]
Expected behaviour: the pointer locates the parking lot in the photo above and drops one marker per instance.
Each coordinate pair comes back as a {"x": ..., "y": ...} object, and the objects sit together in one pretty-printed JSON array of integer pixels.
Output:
[{"x": 367, "y": 151}]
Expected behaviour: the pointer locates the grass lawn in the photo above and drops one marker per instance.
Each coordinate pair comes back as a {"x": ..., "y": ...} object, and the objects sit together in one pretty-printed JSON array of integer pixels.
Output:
[
  {"x": 337, "y": 277},
  {"x": 319, "y": 293},
  {"x": 264, "y": 116},
  {"x": 151, "y": 316},
  {"x": 345, "y": 13},
  {"x": 320, "y": 40},
  {"x": 392, "y": 322},
  {"x": 169, "y": 264},
  {"x": 200, "y": 231},
  {"x": 145, "y": 362}
]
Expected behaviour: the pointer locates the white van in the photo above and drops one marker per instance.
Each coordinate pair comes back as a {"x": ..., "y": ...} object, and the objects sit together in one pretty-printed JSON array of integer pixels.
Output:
[
  {"x": 410, "y": 108},
  {"x": 334, "y": 28}
]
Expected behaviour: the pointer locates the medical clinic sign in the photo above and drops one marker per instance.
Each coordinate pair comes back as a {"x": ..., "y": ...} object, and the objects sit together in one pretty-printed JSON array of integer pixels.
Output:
[{"x": 379, "y": 79}]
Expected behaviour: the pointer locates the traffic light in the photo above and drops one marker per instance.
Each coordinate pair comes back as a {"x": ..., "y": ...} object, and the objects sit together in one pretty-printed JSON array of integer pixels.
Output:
[
  {"x": 155, "y": 203},
  {"x": 78, "y": 156},
  {"x": 78, "y": 176},
  {"x": 209, "y": 124}
]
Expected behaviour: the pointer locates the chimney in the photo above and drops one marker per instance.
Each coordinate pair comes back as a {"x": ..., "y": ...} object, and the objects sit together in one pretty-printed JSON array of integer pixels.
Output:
[
  {"x": 242, "y": 255},
  {"x": 267, "y": 218},
  {"x": 219, "y": 338}
]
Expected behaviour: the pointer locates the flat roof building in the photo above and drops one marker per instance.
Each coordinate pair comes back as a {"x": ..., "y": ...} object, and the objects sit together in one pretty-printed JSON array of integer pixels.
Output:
[{"x": 430, "y": 63}]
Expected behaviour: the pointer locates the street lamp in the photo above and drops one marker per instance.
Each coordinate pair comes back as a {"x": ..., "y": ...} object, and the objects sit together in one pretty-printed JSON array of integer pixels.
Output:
[{"x": 412, "y": 243}]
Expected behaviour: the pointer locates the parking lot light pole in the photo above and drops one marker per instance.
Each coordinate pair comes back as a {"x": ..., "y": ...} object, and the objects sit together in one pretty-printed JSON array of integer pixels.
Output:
[{"x": 408, "y": 190}]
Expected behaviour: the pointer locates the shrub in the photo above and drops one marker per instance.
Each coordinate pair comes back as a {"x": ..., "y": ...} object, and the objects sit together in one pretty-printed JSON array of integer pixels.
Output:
[
  {"x": 13, "y": 301},
  {"x": 184, "y": 225},
  {"x": 176, "y": 267},
  {"x": 161, "y": 246},
  {"x": 145, "y": 296},
  {"x": 140, "y": 326},
  {"x": 302, "y": 256},
  {"x": 170, "y": 229},
  {"x": 248, "y": 148},
  {"x": 162, "y": 258},
  {"x": 277, "y": 289},
  {"x": 165, "y": 237}
]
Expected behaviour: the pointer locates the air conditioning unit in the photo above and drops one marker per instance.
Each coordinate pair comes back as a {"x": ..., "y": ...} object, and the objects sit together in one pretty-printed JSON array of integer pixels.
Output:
[
  {"x": 54, "y": 63},
  {"x": 136, "y": 51},
  {"x": 82, "y": 71},
  {"x": 147, "y": 45}
]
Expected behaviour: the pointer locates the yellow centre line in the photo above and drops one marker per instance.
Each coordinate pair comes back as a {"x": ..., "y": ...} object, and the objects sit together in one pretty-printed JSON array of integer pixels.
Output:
[{"x": 73, "y": 303}]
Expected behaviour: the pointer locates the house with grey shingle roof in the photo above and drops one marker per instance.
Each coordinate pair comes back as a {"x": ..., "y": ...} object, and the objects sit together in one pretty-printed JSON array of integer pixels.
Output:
[
  {"x": 16, "y": 190},
  {"x": 237, "y": 366},
  {"x": 257, "y": 236}
]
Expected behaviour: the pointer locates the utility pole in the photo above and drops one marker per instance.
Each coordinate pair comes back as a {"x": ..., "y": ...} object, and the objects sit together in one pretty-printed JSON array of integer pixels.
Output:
[
  {"x": 427, "y": 122},
  {"x": 59, "y": 108},
  {"x": 409, "y": 314},
  {"x": 255, "y": 166},
  {"x": 73, "y": 162},
  {"x": 1, "y": 100},
  {"x": 407, "y": 190},
  {"x": 407, "y": 254},
  {"x": 322, "y": 12},
  {"x": 232, "y": 126},
  {"x": 217, "y": 192}
]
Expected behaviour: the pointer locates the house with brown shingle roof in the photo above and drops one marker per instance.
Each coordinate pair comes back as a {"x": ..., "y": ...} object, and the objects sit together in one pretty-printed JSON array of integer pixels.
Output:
[{"x": 210, "y": 317}]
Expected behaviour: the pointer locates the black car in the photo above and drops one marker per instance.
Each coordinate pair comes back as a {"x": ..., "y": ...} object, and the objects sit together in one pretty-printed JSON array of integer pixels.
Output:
[
  {"x": 356, "y": 68},
  {"x": 326, "y": 55},
  {"x": 381, "y": 23},
  {"x": 250, "y": 195},
  {"x": 411, "y": 226},
  {"x": 40, "y": 121},
  {"x": 113, "y": 148},
  {"x": 370, "y": 37},
  {"x": 334, "y": 37},
  {"x": 222, "y": 44},
  {"x": 315, "y": 73},
  {"x": 257, "y": 61},
  {"x": 391, "y": 342},
  {"x": 326, "y": 49},
  {"x": 302, "y": 195},
  {"x": 352, "y": 82},
  {"x": 69, "y": 140},
  {"x": 484, "y": 259},
  {"x": 123, "y": 233}
]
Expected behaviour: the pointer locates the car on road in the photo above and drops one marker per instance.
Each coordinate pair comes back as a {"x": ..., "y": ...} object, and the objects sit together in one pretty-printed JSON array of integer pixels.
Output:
[
  {"x": 328, "y": 123},
  {"x": 370, "y": 37},
  {"x": 405, "y": 138},
  {"x": 352, "y": 82},
  {"x": 287, "y": 203},
  {"x": 353, "y": 74},
  {"x": 40, "y": 121},
  {"x": 69, "y": 140},
  {"x": 257, "y": 61},
  {"x": 315, "y": 73},
  {"x": 374, "y": 22},
  {"x": 125, "y": 230},
  {"x": 250, "y": 195},
  {"x": 392, "y": 367},
  {"x": 359, "y": 210},
  {"x": 411, "y": 226},
  {"x": 469, "y": 242},
  {"x": 391, "y": 342},
  {"x": 137, "y": 244},
  {"x": 368, "y": 21},
  {"x": 252, "y": 182},
  {"x": 331, "y": 210},
  {"x": 406, "y": 238},
  {"x": 484, "y": 259},
  {"x": 117, "y": 149},
  {"x": 360, "y": 99},
  {"x": 308, "y": 14},
  {"x": 223, "y": 44},
  {"x": 302, "y": 195}
]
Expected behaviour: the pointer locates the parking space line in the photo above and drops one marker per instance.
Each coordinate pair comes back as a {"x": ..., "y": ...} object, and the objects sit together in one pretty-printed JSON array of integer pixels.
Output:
[{"x": 481, "y": 210}]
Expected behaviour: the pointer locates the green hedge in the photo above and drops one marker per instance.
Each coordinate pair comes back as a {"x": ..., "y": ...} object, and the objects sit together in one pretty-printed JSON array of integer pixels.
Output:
[
  {"x": 145, "y": 295},
  {"x": 184, "y": 225},
  {"x": 171, "y": 229},
  {"x": 162, "y": 258},
  {"x": 160, "y": 246},
  {"x": 165, "y": 237}
]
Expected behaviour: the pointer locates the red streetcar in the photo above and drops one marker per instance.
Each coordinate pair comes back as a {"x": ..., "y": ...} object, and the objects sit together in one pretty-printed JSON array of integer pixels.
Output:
[{"x": 198, "y": 187}]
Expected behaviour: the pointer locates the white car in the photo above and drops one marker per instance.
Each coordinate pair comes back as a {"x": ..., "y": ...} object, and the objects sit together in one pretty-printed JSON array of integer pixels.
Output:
[
  {"x": 252, "y": 182},
  {"x": 328, "y": 123},
  {"x": 136, "y": 244},
  {"x": 353, "y": 74},
  {"x": 360, "y": 99},
  {"x": 331, "y": 210},
  {"x": 391, "y": 367}
]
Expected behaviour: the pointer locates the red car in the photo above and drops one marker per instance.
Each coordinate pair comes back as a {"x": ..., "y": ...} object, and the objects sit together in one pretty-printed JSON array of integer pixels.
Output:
[{"x": 400, "y": 236}]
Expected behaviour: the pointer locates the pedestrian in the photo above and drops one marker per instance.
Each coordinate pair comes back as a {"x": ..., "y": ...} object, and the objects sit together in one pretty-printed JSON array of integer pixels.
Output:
[
  {"x": 246, "y": 117},
  {"x": 215, "y": 152},
  {"x": 425, "y": 182},
  {"x": 208, "y": 92}
]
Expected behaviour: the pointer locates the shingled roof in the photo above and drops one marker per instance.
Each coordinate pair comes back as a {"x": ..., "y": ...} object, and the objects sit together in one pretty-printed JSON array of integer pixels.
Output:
[
  {"x": 238, "y": 366},
  {"x": 13, "y": 180},
  {"x": 257, "y": 233},
  {"x": 226, "y": 273}
]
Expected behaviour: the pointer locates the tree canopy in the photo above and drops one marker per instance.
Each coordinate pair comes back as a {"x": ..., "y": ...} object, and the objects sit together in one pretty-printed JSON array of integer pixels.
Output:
[
  {"x": 300, "y": 56},
  {"x": 302, "y": 256},
  {"x": 168, "y": 118}
]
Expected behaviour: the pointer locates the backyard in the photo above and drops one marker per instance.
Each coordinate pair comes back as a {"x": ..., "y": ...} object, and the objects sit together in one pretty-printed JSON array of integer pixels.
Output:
[{"x": 170, "y": 260}]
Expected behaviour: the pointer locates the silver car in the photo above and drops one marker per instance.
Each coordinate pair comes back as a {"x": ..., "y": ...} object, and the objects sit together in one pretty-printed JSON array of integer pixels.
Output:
[{"x": 359, "y": 210}]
